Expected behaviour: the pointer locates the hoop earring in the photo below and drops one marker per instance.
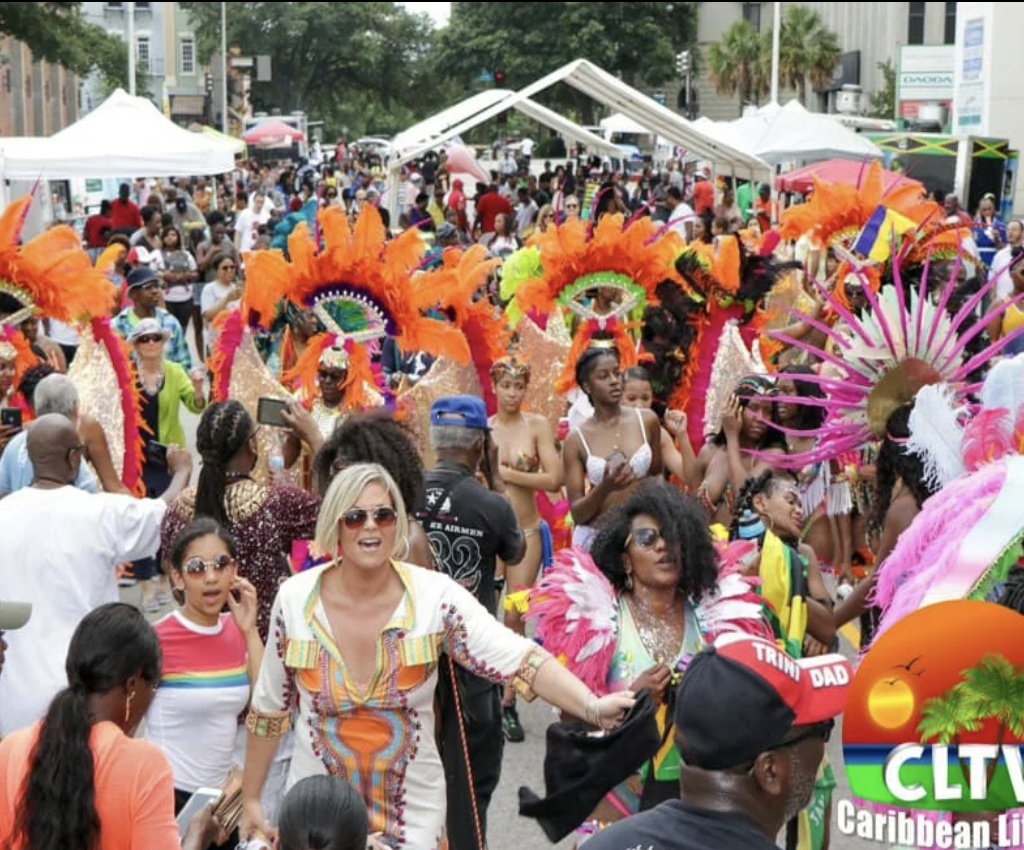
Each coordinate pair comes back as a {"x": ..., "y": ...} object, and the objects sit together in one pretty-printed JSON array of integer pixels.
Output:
[{"x": 128, "y": 707}]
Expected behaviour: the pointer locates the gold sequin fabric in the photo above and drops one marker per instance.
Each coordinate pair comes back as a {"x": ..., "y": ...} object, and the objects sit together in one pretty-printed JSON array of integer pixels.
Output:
[
  {"x": 732, "y": 363},
  {"x": 94, "y": 378},
  {"x": 546, "y": 352},
  {"x": 445, "y": 377}
]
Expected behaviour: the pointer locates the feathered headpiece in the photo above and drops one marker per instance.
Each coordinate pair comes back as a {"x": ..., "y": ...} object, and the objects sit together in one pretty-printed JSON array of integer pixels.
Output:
[
  {"x": 359, "y": 287},
  {"x": 882, "y": 360},
  {"x": 632, "y": 259}
]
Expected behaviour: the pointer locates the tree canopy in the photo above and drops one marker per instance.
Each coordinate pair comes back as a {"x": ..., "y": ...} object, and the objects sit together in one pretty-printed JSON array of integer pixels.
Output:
[
  {"x": 56, "y": 32},
  {"x": 358, "y": 66}
]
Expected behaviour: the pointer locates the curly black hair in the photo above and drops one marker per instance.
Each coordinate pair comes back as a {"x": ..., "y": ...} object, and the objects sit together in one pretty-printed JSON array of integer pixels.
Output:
[
  {"x": 684, "y": 526},
  {"x": 31, "y": 379},
  {"x": 810, "y": 416},
  {"x": 372, "y": 437},
  {"x": 894, "y": 461}
]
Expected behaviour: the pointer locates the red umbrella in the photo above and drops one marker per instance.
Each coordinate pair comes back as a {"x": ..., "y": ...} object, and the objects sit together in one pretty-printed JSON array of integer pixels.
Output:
[
  {"x": 273, "y": 130},
  {"x": 836, "y": 171}
]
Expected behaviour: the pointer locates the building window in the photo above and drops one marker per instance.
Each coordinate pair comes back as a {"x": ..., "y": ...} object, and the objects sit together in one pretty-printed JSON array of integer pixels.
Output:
[
  {"x": 142, "y": 53},
  {"x": 915, "y": 24},
  {"x": 752, "y": 15},
  {"x": 143, "y": 6},
  {"x": 188, "y": 56},
  {"x": 949, "y": 33}
]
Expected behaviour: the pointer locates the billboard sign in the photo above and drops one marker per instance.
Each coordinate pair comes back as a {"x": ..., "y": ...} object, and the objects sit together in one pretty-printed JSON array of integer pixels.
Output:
[{"x": 925, "y": 84}]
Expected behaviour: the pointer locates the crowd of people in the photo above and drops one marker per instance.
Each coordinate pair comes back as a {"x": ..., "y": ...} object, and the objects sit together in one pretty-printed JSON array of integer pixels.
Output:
[{"x": 624, "y": 444}]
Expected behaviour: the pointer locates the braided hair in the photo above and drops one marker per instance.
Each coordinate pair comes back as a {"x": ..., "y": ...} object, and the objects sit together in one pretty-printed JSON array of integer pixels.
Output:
[
  {"x": 765, "y": 483},
  {"x": 223, "y": 431}
]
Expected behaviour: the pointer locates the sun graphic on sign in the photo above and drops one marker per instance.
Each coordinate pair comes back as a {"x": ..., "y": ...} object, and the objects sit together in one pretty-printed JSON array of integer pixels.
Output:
[{"x": 891, "y": 703}]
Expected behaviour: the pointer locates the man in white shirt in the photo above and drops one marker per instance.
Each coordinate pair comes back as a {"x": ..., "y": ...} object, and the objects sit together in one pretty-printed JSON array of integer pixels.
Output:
[
  {"x": 248, "y": 221},
  {"x": 1004, "y": 258},
  {"x": 681, "y": 214},
  {"x": 59, "y": 550}
]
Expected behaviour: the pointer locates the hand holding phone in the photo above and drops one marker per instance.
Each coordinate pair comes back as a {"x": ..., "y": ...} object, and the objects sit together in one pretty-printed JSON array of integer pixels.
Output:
[
  {"x": 202, "y": 798},
  {"x": 269, "y": 412},
  {"x": 10, "y": 417}
]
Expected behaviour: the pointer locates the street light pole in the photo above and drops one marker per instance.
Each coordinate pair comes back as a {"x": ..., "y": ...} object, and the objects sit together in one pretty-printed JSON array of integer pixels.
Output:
[
  {"x": 776, "y": 36},
  {"x": 129, "y": 10},
  {"x": 224, "y": 67}
]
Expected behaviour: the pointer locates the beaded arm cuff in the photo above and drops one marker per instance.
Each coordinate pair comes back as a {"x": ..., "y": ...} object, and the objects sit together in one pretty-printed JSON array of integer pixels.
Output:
[
  {"x": 268, "y": 724},
  {"x": 523, "y": 680}
]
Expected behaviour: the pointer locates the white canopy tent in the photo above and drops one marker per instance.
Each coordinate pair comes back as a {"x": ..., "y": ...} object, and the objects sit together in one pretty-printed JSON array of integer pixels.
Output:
[
  {"x": 611, "y": 91},
  {"x": 790, "y": 133},
  {"x": 619, "y": 123},
  {"x": 124, "y": 137}
]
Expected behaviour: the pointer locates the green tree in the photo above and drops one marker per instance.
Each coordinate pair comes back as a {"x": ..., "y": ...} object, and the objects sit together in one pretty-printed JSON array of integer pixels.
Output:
[
  {"x": 995, "y": 689},
  {"x": 638, "y": 41},
  {"x": 56, "y": 32},
  {"x": 736, "y": 63},
  {"x": 354, "y": 65},
  {"x": 944, "y": 718},
  {"x": 808, "y": 51},
  {"x": 883, "y": 100}
]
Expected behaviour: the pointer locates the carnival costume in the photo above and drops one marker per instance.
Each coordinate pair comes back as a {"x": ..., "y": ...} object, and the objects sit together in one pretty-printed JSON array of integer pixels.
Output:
[{"x": 588, "y": 627}]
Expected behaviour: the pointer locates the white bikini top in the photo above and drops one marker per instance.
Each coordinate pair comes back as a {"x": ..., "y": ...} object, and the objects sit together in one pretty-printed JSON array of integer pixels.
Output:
[{"x": 640, "y": 462}]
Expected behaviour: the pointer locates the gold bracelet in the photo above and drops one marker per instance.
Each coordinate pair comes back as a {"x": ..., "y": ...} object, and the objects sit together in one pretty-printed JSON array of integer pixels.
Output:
[
  {"x": 527, "y": 673},
  {"x": 268, "y": 724}
]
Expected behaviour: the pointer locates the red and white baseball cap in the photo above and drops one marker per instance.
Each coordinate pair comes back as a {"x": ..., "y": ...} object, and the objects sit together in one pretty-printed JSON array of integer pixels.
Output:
[{"x": 743, "y": 695}]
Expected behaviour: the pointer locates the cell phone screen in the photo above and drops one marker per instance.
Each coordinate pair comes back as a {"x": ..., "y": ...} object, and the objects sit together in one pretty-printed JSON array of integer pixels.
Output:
[
  {"x": 268, "y": 412},
  {"x": 194, "y": 806}
]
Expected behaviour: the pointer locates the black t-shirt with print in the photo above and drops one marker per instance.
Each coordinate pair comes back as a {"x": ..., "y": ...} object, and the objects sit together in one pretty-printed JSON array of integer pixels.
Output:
[
  {"x": 469, "y": 531},
  {"x": 677, "y": 826}
]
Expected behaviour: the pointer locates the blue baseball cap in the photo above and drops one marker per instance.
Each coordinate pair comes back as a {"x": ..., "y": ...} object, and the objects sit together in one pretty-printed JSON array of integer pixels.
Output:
[{"x": 463, "y": 411}]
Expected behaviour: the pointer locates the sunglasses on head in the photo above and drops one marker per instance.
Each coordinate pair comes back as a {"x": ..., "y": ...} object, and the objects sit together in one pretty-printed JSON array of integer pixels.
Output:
[
  {"x": 150, "y": 338},
  {"x": 196, "y": 566},
  {"x": 383, "y": 517},
  {"x": 645, "y": 538}
]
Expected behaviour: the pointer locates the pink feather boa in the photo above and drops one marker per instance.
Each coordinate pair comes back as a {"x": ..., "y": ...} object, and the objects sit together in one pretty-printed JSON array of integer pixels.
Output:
[
  {"x": 222, "y": 360},
  {"x": 930, "y": 547}
]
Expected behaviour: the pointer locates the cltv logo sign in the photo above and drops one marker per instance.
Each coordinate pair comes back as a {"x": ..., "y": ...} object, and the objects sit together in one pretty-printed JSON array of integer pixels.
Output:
[{"x": 935, "y": 716}]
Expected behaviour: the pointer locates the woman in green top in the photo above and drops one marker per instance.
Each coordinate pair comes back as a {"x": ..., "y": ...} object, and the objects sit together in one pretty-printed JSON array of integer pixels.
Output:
[{"x": 164, "y": 387}]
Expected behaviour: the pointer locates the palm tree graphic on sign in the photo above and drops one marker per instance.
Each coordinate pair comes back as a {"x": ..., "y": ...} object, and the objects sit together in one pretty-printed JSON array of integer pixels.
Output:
[{"x": 993, "y": 689}]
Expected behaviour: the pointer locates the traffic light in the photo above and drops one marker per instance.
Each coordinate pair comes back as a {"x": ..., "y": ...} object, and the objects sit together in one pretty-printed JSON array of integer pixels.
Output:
[
  {"x": 499, "y": 78},
  {"x": 683, "y": 63}
]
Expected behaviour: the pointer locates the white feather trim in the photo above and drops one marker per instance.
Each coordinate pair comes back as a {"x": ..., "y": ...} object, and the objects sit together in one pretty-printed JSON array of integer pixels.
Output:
[{"x": 936, "y": 434}]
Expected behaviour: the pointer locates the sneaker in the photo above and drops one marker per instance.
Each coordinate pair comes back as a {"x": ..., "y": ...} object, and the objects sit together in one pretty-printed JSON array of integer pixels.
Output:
[
  {"x": 164, "y": 598},
  {"x": 151, "y": 606},
  {"x": 511, "y": 726}
]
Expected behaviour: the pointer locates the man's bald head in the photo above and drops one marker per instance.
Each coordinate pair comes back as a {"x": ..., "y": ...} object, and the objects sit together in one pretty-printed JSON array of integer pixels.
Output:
[{"x": 50, "y": 441}]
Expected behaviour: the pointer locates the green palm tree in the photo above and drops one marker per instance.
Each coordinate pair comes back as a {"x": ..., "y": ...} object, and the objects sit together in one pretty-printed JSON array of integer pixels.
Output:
[
  {"x": 808, "y": 50},
  {"x": 945, "y": 717},
  {"x": 736, "y": 63},
  {"x": 995, "y": 688}
]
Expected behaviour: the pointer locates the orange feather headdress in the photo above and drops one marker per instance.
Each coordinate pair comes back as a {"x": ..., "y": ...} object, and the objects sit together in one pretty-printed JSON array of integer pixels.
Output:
[
  {"x": 632, "y": 258},
  {"x": 359, "y": 285}
]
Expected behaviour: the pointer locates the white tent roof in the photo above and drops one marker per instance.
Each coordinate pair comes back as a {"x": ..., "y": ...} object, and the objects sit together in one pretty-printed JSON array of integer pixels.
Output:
[
  {"x": 435, "y": 126},
  {"x": 781, "y": 134},
  {"x": 124, "y": 137},
  {"x": 619, "y": 123}
]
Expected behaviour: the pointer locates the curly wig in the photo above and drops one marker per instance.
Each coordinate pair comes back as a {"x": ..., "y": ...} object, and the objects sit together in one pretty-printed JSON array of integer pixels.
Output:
[{"x": 684, "y": 526}]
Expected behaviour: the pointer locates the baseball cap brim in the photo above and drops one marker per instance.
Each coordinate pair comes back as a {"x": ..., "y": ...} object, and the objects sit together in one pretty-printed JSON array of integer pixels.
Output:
[{"x": 14, "y": 615}]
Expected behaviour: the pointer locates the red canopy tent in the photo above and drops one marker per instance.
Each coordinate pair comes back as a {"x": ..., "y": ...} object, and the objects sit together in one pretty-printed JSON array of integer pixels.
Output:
[
  {"x": 836, "y": 171},
  {"x": 273, "y": 131}
]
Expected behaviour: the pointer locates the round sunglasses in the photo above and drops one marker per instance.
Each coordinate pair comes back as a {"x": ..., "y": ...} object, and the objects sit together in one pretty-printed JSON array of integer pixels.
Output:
[
  {"x": 645, "y": 538},
  {"x": 383, "y": 517},
  {"x": 196, "y": 565},
  {"x": 146, "y": 338}
]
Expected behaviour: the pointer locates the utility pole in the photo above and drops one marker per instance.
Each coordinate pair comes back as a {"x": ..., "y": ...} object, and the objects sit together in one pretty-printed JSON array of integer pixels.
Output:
[
  {"x": 129, "y": 10},
  {"x": 776, "y": 36},
  {"x": 224, "y": 67}
]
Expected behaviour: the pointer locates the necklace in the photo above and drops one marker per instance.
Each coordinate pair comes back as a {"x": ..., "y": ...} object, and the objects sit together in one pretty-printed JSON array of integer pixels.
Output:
[{"x": 662, "y": 637}]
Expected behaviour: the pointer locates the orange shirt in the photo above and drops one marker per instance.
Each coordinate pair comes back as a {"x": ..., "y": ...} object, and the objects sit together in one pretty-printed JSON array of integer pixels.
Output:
[
  {"x": 134, "y": 788},
  {"x": 703, "y": 196}
]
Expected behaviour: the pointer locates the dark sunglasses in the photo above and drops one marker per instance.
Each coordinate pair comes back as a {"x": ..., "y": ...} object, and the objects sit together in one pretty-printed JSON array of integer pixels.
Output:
[
  {"x": 645, "y": 538},
  {"x": 383, "y": 517},
  {"x": 196, "y": 566},
  {"x": 230, "y": 268},
  {"x": 821, "y": 731},
  {"x": 150, "y": 338},
  {"x": 330, "y": 377}
]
